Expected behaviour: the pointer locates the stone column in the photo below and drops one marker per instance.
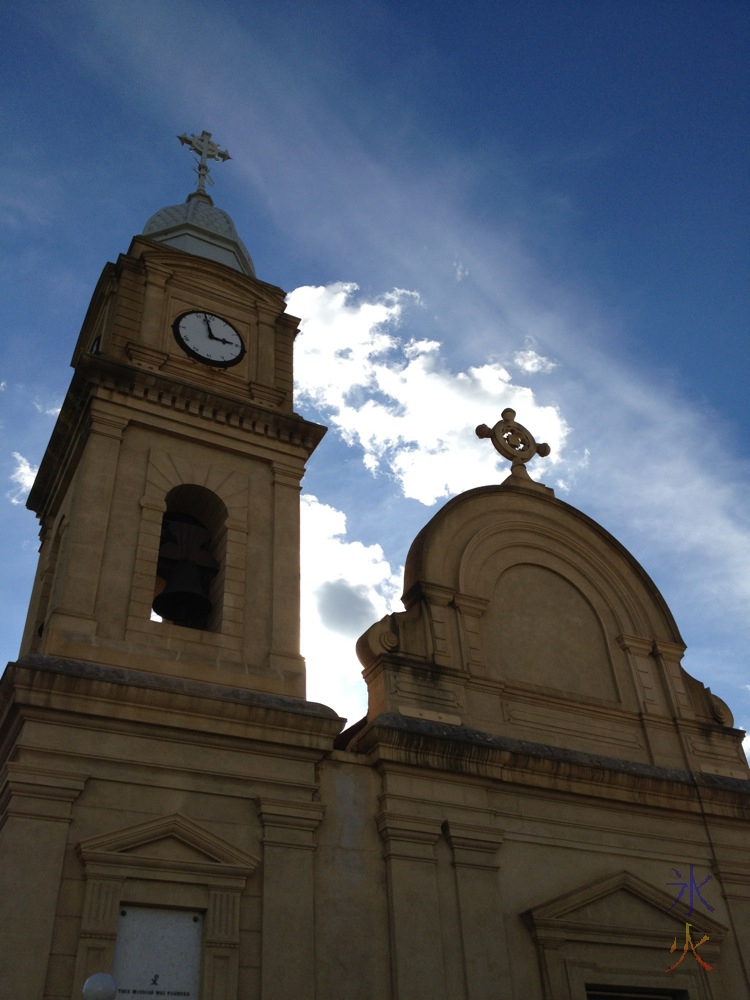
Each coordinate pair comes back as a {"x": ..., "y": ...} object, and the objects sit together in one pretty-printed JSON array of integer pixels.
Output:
[
  {"x": 554, "y": 978},
  {"x": 285, "y": 659},
  {"x": 75, "y": 589},
  {"x": 668, "y": 656},
  {"x": 443, "y": 623},
  {"x": 288, "y": 930},
  {"x": 265, "y": 359},
  {"x": 471, "y": 610},
  {"x": 151, "y": 332},
  {"x": 476, "y": 866},
  {"x": 413, "y": 903},
  {"x": 35, "y": 809},
  {"x": 222, "y": 941},
  {"x": 96, "y": 944}
]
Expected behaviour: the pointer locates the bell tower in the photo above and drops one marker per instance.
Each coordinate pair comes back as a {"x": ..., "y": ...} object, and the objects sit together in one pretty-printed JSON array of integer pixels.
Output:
[{"x": 168, "y": 497}]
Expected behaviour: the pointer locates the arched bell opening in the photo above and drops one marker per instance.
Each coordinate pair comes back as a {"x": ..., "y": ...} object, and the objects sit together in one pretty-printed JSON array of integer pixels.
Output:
[{"x": 189, "y": 584}]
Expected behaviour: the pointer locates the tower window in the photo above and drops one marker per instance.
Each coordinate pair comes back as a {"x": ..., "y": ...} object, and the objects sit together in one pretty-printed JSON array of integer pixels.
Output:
[{"x": 189, "y": 573}]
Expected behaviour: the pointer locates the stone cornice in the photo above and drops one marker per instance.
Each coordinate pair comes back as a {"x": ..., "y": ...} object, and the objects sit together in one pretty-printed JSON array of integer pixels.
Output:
[
  {"x": 45, "y": 684},
  {"x": 100, "y": 379},
  {"x": 396, "y": 739}
]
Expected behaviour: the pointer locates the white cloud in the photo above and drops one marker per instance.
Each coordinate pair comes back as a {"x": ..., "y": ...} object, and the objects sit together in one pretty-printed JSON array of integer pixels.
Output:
[
  {"x": 346, "y": 587},
  {"x": 22, "y": 477},
  {"x": 532, "y": 363},
  {"x": 394, "y": 397},
  {"x": 49, "y": 410}
]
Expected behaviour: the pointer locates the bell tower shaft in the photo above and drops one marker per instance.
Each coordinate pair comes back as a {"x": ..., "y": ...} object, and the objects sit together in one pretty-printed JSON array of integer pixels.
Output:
[{"x": 167, "y": 423}]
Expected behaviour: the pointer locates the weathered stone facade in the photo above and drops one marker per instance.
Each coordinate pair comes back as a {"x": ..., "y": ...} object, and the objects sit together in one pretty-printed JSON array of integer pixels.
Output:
[{"x": 507, "y": 822}]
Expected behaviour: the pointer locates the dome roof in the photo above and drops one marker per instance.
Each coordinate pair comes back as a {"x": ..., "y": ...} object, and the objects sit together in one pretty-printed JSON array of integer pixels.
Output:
[{"x": 198, "y": 227}]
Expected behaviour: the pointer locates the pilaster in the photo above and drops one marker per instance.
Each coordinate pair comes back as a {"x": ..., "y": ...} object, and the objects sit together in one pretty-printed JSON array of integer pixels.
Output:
[
  {"x": 470, "y": 610},
  {"x": 476, "y": 864},
  {"x": 288, "y": 947},
  {"x": 35, "y": 813},
  {"x": 285, "y": 657},
  {"x": 96, "y": 946},
  {"x": 414, "y": 906},
  {"x": 75, "y": 589}
]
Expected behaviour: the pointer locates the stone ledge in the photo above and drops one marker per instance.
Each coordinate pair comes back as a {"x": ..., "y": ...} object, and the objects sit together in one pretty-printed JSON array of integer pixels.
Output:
[
  {"x": 421, "y": 742},
  {"x": 313, "y": 724}
]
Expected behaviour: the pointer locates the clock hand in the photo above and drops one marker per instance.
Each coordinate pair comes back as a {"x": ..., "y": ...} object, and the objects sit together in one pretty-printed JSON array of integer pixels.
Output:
[
  {"x": 208, "y": 327},
  {"x": 212, "y": 335}
]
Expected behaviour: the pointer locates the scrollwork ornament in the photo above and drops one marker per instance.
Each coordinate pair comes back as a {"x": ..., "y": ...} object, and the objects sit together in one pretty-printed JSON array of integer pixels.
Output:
[
  {"x": 389, "y": 641},
  {"x": 720, "y": 710}
]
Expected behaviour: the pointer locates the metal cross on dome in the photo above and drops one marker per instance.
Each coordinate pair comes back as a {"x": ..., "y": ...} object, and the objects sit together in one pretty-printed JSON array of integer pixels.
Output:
[
  {"x": 512, "y": 440},
  {"x": 207, "y": 150}
]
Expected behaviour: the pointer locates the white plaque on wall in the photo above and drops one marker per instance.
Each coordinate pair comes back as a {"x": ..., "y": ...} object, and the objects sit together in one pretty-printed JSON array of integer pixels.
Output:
[{"x": 158, "y": 953}]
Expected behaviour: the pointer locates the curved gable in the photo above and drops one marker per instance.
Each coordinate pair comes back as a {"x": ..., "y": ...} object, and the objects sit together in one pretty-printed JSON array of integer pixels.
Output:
[{"x": 525, "y": 618}]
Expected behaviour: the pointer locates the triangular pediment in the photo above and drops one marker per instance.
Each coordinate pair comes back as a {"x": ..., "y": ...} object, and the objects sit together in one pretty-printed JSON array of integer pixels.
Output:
[
  {"x": 621, "y": 902},
  {"x": 171, "y": 840},
  {"x": 170, "y": 849}
]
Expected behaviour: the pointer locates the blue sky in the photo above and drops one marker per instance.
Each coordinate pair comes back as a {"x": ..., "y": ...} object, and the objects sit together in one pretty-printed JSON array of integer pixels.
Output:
[{"x": 537, "y": 204}]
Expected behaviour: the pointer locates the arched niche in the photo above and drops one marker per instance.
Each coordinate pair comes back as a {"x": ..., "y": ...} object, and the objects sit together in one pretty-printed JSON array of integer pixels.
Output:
[
  {"x": 540, "y": 629},
  {"x": 473, "y": 540}
]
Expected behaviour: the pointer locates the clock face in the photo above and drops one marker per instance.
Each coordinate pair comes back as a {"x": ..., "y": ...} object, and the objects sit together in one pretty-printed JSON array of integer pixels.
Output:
[{"x": 209, "y": 338}]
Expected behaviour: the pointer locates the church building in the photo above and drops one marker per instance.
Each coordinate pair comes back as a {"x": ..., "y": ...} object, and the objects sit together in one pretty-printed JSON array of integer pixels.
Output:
[{"x": 541, "y": 803}]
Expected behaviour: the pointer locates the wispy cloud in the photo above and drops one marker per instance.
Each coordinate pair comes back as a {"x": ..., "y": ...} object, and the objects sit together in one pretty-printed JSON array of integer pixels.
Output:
[
  {"x": 47, "y": 409},
  {"x": 22, "y": 477},
  {"x": 461, "y": 270}
]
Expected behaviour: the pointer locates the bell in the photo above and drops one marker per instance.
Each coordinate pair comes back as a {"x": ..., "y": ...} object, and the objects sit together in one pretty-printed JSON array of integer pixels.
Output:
[
  {"x": 184, "y": 572},
  {"x": 184, "y": 599}
]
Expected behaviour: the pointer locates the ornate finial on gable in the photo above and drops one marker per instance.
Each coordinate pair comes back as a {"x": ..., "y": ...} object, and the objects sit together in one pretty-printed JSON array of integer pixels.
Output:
[
  {"x": 207, "y": 150},
  {"x": 515, "y": 443}
]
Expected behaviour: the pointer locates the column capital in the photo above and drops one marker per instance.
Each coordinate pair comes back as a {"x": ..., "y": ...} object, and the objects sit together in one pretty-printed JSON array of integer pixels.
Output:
[
  {"x": 470, "y": 605},
  {"x": 638, "y": 645},
  {"x": 290, "y": 824},
  {"x": 408, "y": 836},
  {"x": 34, "y": 793},
  {"x": 474, "y": 846}
]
